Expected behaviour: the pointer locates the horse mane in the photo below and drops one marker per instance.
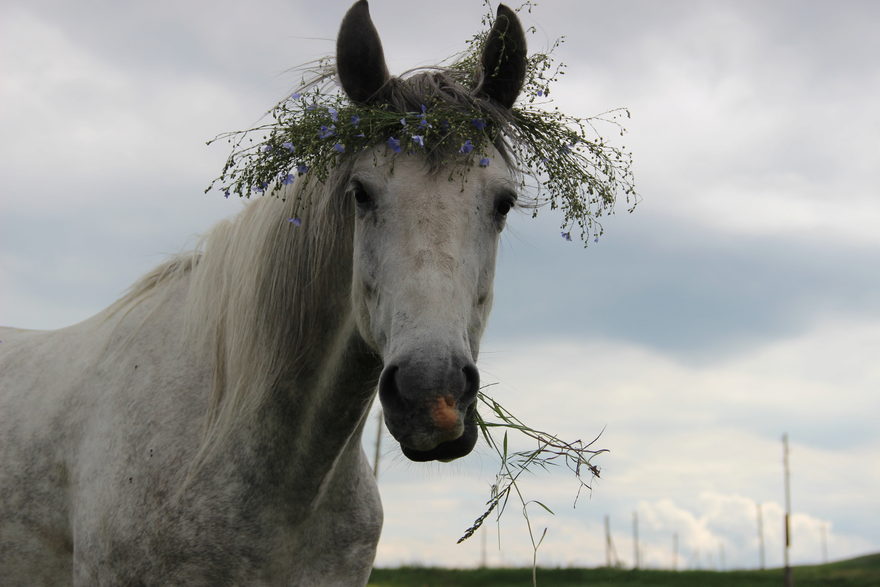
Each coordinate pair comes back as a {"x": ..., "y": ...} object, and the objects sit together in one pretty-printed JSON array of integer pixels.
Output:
[{"x": 256, "y": 296}]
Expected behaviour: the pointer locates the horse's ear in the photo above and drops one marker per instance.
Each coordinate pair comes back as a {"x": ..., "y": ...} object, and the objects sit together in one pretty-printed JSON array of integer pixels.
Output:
[
  {"x": 504, "y": 59},
  {"x": 360, "y": 60}
]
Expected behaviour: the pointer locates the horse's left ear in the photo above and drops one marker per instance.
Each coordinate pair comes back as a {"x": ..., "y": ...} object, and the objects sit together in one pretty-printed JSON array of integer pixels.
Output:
[
  {"x": 504, "y": 59},
  {"x": 360, "y": 60}
]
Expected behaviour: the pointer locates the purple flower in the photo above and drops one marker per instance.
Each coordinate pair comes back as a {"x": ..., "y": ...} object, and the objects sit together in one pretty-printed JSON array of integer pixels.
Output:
[
  {"x": 326, "y": 131},
  {"x": 296, "y": 95},
  {"x": 479, "y": 123},
  {"x": 287, "y": 179},
  {"x": 540, "y": 92},
  {"x": 403, "y": 121},
  {"x": 419, "y": 140},
  {"x": 267, "y": 148},
  {"x": 467, "y": 147},
  {"x": 261, "y": 188},
  {"x": 355, "y": 120},
  {"x": 566, "y": 235},
  {"x": 424, "y": 122},
  {"x": 339, "y": 148},
  {"x": 289, "y": 146},
  {"x": 484, "y": 162},
  {"x": 302, "y": 168},
  {"x": 295, "y": 221},
  {"x": 226, "y": 194},
  {"x": 424, "y": 109},
  {"x": 394, "y": 144},
  {"x": 334, "y": 115}
]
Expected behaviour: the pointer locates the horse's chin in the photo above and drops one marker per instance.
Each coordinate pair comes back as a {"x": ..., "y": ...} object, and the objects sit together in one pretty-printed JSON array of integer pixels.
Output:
[{"x": 445, "y": 451}]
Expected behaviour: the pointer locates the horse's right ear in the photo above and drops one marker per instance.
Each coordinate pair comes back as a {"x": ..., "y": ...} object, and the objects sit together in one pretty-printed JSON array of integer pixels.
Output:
[
  {"x": 360, "y": 60},
  {"x": 504, "y": 59}
]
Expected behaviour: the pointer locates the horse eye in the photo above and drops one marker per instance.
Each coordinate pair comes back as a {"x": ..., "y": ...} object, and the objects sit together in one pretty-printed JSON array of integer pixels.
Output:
[
  {"x": 361, "y": 195},
  {"x": 503, "y": 206}
]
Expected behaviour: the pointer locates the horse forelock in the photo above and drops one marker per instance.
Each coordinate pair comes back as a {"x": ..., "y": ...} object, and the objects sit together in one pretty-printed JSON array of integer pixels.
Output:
[{"x": 449, "y": 88}]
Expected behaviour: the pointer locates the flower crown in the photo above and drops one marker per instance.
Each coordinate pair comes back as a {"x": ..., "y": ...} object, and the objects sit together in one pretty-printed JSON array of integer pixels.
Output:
[{"x": 571, "y": 165}]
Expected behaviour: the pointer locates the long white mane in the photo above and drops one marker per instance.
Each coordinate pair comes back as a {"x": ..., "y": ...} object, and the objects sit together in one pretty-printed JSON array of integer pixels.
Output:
[{"x": 257, "y": 291}]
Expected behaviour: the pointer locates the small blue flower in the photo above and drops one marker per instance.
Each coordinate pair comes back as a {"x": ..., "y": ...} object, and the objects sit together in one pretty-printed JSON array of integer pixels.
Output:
[
  {"x": 403, "y": 121},
  {"x": 302, "y": 168},
  {"x": 540, "y": 92},
  {"x": 419, "y": 140},
  {"x": 479, "y": 123},
  {"x": 334, "y": 115},
  {"x": 296, "y": 95},
  {"x": 226, "y": 194},
  {"x": 287, "y": 179},
  {"x": 339, "y": 148},
  {"x": 424, "y": 109},
  {"x": 424, "y": 123},
  {"x": 394, "y": 144},
  {"x": 484, "y": 162},
  {"x": 596, "y": 239},
  {"x": 295, "y": 221},
  {"x": 261, "y": 188},
  {"x": 326, "y": 131},
  {"x": 355, "y": 120},
  {"x": 566, "y": 235},
  {"x": 267, "y": 148},
  {"x": 289, "y": 146},
  {"x": 467, "y": 147}
]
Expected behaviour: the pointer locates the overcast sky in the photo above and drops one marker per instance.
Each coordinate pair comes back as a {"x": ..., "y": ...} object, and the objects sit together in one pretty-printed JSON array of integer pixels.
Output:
[{"x": 741, "y": 300}]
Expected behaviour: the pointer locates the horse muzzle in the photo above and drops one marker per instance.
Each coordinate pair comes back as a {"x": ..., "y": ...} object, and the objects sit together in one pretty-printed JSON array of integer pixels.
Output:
[{"x": 430, "y": 407}]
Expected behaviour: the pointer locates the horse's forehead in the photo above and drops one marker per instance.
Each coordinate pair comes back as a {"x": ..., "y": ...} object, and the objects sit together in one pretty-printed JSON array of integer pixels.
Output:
[{"x": 460, "y": 181}]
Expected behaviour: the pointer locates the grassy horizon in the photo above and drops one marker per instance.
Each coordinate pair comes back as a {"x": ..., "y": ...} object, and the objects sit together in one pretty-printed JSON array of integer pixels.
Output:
[{"x": 862, "y": 571}]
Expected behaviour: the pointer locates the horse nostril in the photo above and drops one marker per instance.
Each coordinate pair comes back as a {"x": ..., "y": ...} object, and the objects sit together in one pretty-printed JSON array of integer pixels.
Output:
[
  {"x": 389, "y": 393},
  {"x": 471, "y": 383}
]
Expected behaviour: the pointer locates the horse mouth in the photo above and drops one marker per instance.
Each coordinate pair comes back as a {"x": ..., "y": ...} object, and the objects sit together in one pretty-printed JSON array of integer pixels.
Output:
[{"x": 445, "y": 451}]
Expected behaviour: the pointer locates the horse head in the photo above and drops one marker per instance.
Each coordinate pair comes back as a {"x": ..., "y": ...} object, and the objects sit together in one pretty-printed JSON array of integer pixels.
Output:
[{"x": 425, "y": 242}]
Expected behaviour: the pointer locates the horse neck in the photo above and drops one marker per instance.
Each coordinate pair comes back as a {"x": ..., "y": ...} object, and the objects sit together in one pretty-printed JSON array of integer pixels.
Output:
[{"x": 293, "y": 379}]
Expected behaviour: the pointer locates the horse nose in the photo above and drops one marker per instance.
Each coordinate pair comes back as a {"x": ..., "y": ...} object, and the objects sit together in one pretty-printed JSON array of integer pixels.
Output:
[
  {"x": 407, "y": 382},
  {"x": 443, "y": 391}
]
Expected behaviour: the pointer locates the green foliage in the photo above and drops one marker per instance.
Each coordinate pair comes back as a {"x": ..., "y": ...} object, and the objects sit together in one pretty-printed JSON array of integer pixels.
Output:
[
  {"x": 572, "y": 166},
  {"x": 861, "y": 572}
]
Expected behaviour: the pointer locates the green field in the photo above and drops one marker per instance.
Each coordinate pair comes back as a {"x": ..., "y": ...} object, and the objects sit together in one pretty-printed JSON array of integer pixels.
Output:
[{"x": 862, "y": 572}]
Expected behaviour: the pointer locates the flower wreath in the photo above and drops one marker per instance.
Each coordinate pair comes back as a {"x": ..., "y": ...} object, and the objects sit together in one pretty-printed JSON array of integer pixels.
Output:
[{"x": 572, "y": 167}]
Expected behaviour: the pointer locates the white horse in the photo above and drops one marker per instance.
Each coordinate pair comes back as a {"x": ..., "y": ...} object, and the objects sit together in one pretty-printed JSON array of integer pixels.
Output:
[{"x": 206, "y": 428}]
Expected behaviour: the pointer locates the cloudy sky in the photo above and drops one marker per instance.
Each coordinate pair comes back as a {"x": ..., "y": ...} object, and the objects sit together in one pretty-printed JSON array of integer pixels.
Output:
[{"x": 739, "y": 302}]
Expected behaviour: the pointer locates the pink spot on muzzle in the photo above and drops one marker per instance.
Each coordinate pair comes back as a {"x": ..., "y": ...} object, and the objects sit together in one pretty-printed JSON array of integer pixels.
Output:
[{"x": 444, "y": 414}]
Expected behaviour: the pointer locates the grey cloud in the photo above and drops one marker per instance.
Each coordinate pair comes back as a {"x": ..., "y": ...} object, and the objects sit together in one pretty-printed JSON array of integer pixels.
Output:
[{"x": 682, "y": 290}]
